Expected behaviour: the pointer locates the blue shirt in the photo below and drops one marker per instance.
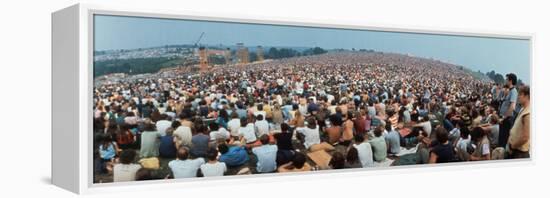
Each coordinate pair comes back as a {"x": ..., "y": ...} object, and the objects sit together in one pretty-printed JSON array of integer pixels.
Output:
[
  {"x": 267, "y": 156},
  {"x": 107, "y": 153},
  {"x": 236, "y": 156},
  {"x": 392, "y": 139},
  {"x": 167, "y": 147},
  {"x": 511, "y": 97}
]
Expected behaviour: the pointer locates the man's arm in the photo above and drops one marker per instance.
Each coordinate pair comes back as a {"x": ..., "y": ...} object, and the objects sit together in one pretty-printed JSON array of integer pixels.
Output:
[{"x": 525, "y": 132}]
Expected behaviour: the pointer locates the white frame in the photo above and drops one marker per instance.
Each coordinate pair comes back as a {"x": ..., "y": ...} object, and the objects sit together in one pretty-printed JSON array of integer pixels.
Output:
[{"x": 72, "y": 169}]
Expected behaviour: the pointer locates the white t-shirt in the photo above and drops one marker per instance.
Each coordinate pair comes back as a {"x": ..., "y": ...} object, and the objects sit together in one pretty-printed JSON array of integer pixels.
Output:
[
  {"x": 185, "y": 134},
  {"x": 364, "y": 150},
  {"x": 234, "y": 125},
  {"x": 248, "y": 133},
  {"x": 162, "y": 125},
  {"x": 216, "y": 169},
  {"x": 263, "y": 113},
  {"x": 221, "y": 133},
  {"x": 262, "y": 127},
  {"x": 125, "y": 172},
  {"x": 185, "y": 168},
  {"x": 311, "y": 136}
]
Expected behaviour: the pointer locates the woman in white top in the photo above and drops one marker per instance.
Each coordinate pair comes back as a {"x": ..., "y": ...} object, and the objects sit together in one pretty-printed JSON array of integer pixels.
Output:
[
  {"x": 311, "y": 133},
  {"x": 246, "y": 132}
]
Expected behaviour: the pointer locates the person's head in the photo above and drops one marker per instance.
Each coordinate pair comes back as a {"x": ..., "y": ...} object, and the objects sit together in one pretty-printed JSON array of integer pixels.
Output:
[
  {"x": 337, "y": 161},
  {"x": 144, "y": 174},
  {"x": 212, "y": 154},
  {"x": 260, "y": 107},
  {"x": 299, "y": 160},
  {"x": 285, "y": 127},
  {"x": 264, "y": 139},
  {"x": 524, "y": 95},
  {"x": 170, "y": 131},
  {"x": 149, "y": 125},
  {"x": 234, "y": 115},
  {"x": 223, "y": 148},
  {"x": 378, "y": 131},
  {"x": 127, "y": 156},
  {"x": 183, "y": 153},
  {"x": 244, "y": 122},
  {"x": 442, "y": 135},
  {"x": 464, "y": 133},
  {"x": 214, "y": 126},
  {"x": 359, "y": 138},
  {"x": 477, "y": 133},
  {"x": 353, "y": 155},
  {"x": 259, "y": 117},
  {"x": 311, "y": 123},
  {"x": 494, "y": 119},
  {"x": 175, "y": 124},
  {"x": 511, "y": 79}
]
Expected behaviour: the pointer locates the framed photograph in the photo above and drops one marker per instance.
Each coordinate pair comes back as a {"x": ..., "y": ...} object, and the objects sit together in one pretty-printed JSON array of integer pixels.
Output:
[{"x": 157, "y": 98}]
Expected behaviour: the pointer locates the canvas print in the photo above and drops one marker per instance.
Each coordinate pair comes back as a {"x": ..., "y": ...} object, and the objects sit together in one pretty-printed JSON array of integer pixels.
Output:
[{"x": 178, "y": 98}]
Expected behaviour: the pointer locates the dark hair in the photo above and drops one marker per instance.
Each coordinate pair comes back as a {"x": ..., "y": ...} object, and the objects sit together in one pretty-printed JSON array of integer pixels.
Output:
[
  {"x": 353, "y": 155},
  {"x": 464, "y": 132},
  {"x": 260, "y": 117},
  {"x": 477, "y": 133},
  {"x": 176, "y": 124},
  {"x": 311, "y": 123},
  {"x": 359, "y": 138},
  {"x": 201, "y": 128},
  {"x": 284, "y": 127},
  {"x": 524, "y": 90},
  {"x": 244, "y": 122},
  {"x": 144, "y": 174},
  {"x": 212, "y": 154},
  {"x": 512, "y": 77},
  {"x": 214, "y": 126},
  {"x": 299, "y": 160},
  {"x": 337, "y": 161},
  {"x": 377, "y": 132},
  {"x": 127, "y": 156},
  {"x": 442, "y": 135},
  {"x": 183, "y": 153},
  {"x": 388, "y": 125},
  {"x": 264, "y": 139},
  {"x": 260, "y": 107},
  {"x": 223, "y": 148}
]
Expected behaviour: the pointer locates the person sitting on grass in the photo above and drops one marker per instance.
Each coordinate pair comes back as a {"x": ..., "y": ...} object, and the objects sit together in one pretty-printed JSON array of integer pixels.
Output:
[
  {"x": 233, "y": 156},
  {"x": 126, "y": 169},
  {"x": 443, "y": 151},
  {"x": 298, "y": 164},
  {"x": 213, "y": 167},
  {"x": 182, "y": 166},
  {"x": 266, "y": 155},
  {"x": 378, "y": 145}
]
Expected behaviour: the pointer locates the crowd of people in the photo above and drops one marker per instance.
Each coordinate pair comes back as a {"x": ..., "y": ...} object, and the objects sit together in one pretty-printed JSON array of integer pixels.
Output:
[{"x": 361, "y": 108}]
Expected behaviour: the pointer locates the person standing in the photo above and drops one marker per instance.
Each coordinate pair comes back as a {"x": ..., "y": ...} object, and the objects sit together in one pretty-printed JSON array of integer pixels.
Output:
[
  {"x": 507, "y": 110},
  {"x": 518, "y": 142}
]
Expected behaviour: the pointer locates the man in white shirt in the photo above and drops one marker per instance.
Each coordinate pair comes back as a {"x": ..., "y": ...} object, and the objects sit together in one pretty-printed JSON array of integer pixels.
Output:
[
  {"x": 126, "y": 169},
  {"x": 311, "y": 133},
  {"x": 246, "y": 132},
  {"x": 262, "y": 126},
  {"x": 163, "y": 124},
  {"x": 213, "y": 167},
  {"x": 182, "y": 167},
  {"x": 234, "y": 124},
  {"x": 183, "y": 136},
  {"x": 364, "y": 150}
]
